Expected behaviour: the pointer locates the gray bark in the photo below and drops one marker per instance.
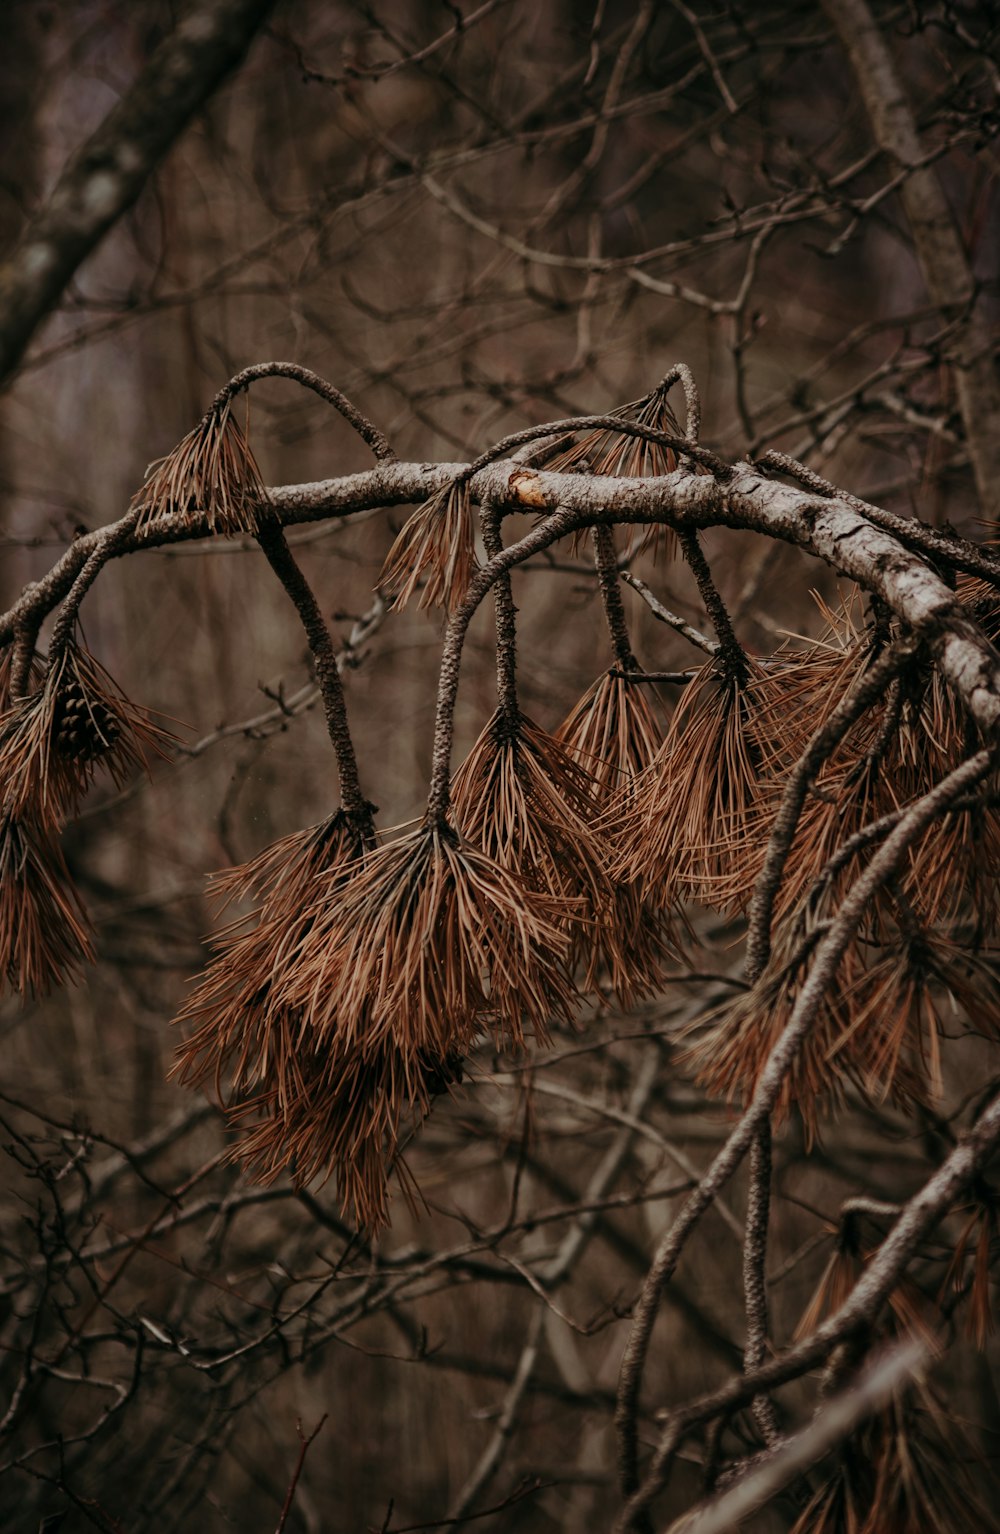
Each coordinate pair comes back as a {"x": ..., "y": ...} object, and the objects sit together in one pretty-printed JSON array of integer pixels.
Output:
[
  {"x": 105, "y": 177},
  {"x": 835, "y": 530},
  {"x": 940, "y": 252}
]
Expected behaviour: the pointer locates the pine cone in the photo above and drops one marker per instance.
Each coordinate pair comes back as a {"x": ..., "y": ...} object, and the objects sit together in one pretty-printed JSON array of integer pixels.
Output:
[{"x": 84, "y": 730}]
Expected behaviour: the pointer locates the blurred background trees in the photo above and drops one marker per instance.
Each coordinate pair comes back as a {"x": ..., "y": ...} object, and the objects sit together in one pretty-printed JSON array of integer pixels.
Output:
[{"x": 471, "y": 218}]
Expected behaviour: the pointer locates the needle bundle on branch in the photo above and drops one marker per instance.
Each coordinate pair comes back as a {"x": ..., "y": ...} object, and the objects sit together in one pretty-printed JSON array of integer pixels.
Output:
[
  {"x": 211, "y": 476},
  {"x": 734, "y": 1043},
  {"x": 44, "y": 933},
  {"x": 344, "y": 1113},
  {"x": 901, "y": 988},
  {"x": 428, "y": 942},
  {"x": 614, "y": 732},
  {"x": 244, "y": 1027},
  {"x": 437, "y": 546},
  {"x": 604, "y": 451},
  {"x": 521, "y": 797},
  {"x": 895, "y": 738},
  {"x": 367, "y": 973},
  {"x": 302, "y": 1098},
  {"x": 76, "y": 719},
  {"x": 699, "y": 808},
  {"x": 316, "y": 1094},
  {"x": 902, "y": 1470},
  {"x": 911, "y": 992},
  {"x": 909, "y": 738},
  {"x": 697, "y": 815}
]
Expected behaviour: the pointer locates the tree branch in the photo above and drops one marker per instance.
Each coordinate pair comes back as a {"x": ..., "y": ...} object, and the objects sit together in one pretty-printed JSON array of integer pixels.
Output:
[
  {"x": 106, "y": 176},
  {"x": 943, "y": 261}
]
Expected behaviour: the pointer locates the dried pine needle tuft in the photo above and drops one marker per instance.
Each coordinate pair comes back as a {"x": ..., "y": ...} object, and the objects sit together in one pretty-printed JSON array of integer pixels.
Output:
[
  {"x": 53, "y": 739},
  {"x": 437, "y": 546},
  {"x": 44, "y": 932},
  {"x": 211, "y": 476}
]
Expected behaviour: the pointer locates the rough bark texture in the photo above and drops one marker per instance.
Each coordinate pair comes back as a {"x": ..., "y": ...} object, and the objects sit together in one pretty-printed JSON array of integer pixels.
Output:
[
  {"x": 830, "y": 528},
  {"x": 942, "y": 256},
  {"x": 103, "y": 180}
]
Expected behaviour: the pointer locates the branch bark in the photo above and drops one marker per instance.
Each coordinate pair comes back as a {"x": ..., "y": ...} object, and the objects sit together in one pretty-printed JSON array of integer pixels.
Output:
[
  {"x": 940, "y": 252},
  {"x": 105, "y": 177}
]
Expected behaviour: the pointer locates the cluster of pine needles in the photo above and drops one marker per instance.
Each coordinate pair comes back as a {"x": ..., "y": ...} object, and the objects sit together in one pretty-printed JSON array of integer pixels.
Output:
[
  {"x": 566, "y": 865},
  {"x": 564, "y": 869},
  {"x": 68, "y": 718},
  {"x": 907, "y": 1468},
  {"x": 359, "y": 972}
]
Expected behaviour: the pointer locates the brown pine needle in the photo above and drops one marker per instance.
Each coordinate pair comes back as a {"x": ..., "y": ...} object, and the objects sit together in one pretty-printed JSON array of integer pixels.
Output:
[
  {"x": 437, "y": 542},
  {"x": 614, "y": 732},
  {"x": 52, "y": 740},
  {"x": 521, "y": 797},
  {"x": 344, "y": 1118},
  {"x": 903, "y": 1003},
  {"x": 901, "y": 1471},
  {"x": 604, "y": 451},
  {"x": 314, "y": 1101},
  {"x": 429, "y": 940},
  {"x": 734, "y": 1043},
  {"x": 245, "y": 1028},
  {"x": 696, "y": 814},
  {"x": 211, "y": 476},
  {"x": 44, "y": 933},
  {"x": 914, "y": 736},
  {"x": 980, "y": 1324}
]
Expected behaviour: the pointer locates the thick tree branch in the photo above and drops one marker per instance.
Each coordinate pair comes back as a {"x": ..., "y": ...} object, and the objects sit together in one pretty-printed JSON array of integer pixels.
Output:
[
  {"x": 943, "y": 260},
  {"x": 831, "y": 528},
  {"x": 105, "y": 177}
]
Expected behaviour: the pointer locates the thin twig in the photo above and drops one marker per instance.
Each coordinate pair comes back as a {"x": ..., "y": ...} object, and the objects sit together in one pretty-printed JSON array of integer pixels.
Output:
[
  {"x": 304, "y": 1445},
  {"x": 755, "y": 1274},
  {"x": 486, "y": 1466},
  {"x": 279, "y": 556},
  {"x": 606, "y": 561},
  {"x": 309, "y": 380},
  {"x": 656, "y": 607}
]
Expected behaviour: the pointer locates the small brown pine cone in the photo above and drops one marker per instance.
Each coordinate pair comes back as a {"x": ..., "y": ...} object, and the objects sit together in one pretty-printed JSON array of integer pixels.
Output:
[{"x": 83, "y": 732}]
